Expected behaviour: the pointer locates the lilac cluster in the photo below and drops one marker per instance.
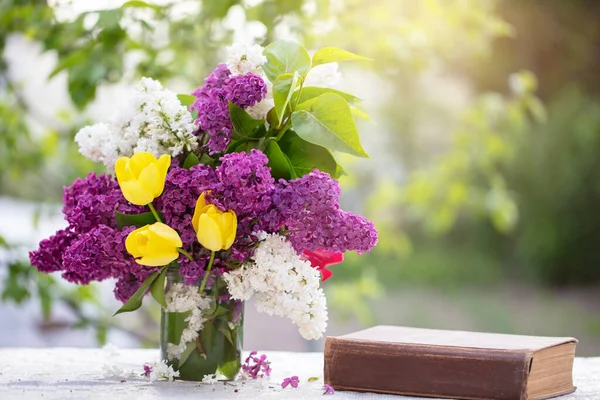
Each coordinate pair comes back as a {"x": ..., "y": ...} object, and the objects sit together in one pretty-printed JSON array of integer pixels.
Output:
[
  {"x": 48, "y": 258},
  {"x": 245, "y": 90},
  {"x": 91, "y": 247},
  {"x": 256, "y": 366},
  {"x": 309, "y": 207},
  {"x": 212, "y": 103},
  {"x": 92, "y": 201}
]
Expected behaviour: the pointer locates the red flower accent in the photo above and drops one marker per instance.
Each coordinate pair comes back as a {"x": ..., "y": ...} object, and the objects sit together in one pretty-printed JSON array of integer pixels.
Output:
[{"x": 321, "y": 259}]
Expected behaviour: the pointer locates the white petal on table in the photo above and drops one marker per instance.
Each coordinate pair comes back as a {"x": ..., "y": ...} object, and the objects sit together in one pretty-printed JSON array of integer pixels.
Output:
[{"x": 80, "y": 374}]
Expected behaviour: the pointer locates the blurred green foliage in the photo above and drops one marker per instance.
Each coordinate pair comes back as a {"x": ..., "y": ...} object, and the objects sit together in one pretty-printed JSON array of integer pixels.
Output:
[{"x": 471, "y": 189}]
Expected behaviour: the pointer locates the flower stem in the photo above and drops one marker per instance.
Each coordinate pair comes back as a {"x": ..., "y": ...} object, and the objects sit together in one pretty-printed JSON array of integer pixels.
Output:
[
  {"x": 282, "y": 131},
  {"x": 210, "y": 264},
  {"x": 185, "y": 253},
  {"x": 154, "y": 212}
]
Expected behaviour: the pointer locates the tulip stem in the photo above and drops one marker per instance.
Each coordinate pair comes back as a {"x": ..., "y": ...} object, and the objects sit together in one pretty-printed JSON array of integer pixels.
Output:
[
  {"x": 154, "y": 212},
  {"x": 210, "y": 264},
  {"x": 185, "y": 253}
]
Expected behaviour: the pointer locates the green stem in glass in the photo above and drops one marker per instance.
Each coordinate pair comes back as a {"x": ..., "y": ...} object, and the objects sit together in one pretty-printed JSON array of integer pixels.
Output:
[
  {"x": 154, "y": 212},
  {"x": 185, "y": 253},
  {"x": 210, "y": 264}
]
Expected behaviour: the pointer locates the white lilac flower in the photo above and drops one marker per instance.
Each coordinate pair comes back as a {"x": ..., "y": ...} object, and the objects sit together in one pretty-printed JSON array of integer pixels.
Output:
[
  {"x": 112, "y": 371},
  {"x": 154, "y": 120},
  {"x": 181, "y": 298},
  {"x": 162, "y": 371},
  {"x": 115, "y": 371},
  {"x": 324, "y": 75},
  {"x": 210, "y": 379},
  {"x": 261, "y": 109},
  {"x": 244, "y": 58},
  {"x": 283, "y": 284}
]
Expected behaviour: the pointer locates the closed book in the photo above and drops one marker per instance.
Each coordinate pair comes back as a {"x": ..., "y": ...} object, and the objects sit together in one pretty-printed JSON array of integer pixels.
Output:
[{"x": 450, "y": 364}]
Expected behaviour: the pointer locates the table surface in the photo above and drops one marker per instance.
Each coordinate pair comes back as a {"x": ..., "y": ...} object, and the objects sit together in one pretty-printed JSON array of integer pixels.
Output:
[{"x": 62, "y": 373}]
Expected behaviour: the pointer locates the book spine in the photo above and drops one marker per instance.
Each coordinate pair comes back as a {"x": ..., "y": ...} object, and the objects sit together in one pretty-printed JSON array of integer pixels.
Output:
[{"x": 432, "y": 371}]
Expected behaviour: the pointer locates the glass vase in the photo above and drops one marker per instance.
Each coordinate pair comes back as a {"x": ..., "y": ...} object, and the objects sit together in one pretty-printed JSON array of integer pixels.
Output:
[{"x": 217, "y": 348}]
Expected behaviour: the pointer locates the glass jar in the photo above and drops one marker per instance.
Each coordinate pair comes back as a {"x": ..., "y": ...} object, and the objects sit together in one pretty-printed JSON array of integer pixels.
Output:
[{"x": 217, "y": 347}]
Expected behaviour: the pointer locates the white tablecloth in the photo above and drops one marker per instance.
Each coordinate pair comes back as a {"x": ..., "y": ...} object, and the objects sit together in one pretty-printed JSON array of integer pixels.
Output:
[{"x": 80, "y": 374}]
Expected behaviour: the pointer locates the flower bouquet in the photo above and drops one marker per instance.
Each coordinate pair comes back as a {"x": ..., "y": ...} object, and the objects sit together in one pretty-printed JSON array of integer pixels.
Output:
[{"x": 216, "y": 197}]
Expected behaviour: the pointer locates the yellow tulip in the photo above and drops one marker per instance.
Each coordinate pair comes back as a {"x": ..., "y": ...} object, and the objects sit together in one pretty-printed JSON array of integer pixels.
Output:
[
  {"x": 142, "y": 177},
  {"x": 154, "y": 245},
  {"x": 214, "y": 228}
]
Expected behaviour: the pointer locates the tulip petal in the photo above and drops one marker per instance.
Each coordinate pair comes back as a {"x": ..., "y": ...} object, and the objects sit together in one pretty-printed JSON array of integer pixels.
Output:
[
  {"x": 122, "y": 171},
  {"x": 150, "y": 178},
  {"x": 325, "y": 274},
  {"x": 163, "y": 164},
  {"x": 200, "y": 205},
  {"x": 163, "y": 233},
  {"x": 136, "y": 193},
  {"x": 139, "y": 161},
  {"x": 229, "y": 228},
  {"x": 134, "y": 240},
  {"x": 209, "y": 233},
  {"x": 158, "y": 260}
]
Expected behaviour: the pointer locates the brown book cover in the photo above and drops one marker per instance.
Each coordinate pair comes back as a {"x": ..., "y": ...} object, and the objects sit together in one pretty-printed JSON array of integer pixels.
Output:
[{"x": 450, "y": 364}]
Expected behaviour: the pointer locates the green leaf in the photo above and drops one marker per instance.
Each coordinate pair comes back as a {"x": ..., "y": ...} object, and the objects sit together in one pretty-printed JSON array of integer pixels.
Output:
[
  {"x": 137, "y": 220},
  {"x": 186, "y": 100},
  {"x": 190, "y": 161},
  {"x": 175, "y": 324},
  {"x": 333, "y": 54},
  {"x": 293, "y": 173},
  {"x": 285, "y": 57},
  {"x": 69, "y": 61},
  {"x": 242, "y": 122},
  {"x": 157, "y": 289},
  {"x": 311, "y": 92},
  {"x": 327, "y": 121},
  {"x": 135, "y": 301},
  {"x": 284, "y": 88},
  {"x": 224, "y": 329},
  {"x": 357, "y": 112},
  {"x": 313, "y": 379},
  {"x": 218, "y": 311},
  {"x": 339, "y": 171},
  {"x": 272, "y": 117},
  {"x": 305, "y": 156},
  {"x": 186, "y": 353},
  {"x": 280, "y": 167}
]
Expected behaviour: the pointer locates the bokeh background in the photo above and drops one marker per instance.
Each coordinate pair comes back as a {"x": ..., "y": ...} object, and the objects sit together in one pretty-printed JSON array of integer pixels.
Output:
[{"x": 484, "y": 176}]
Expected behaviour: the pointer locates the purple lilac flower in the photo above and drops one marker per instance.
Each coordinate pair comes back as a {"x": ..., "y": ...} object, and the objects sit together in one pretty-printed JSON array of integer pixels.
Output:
[
  {"x": 245, "y": 186},
  {"x": 244, "y": 183},
  {"x": 48, "y": 258},
  {"x": 245, "y": 90},
  {"x": 100, "y": 254},
  {"x": 147, "y": 370},
  {"x": 213, "y": 118},
  {"x": 92, "y": 201},
  {"x": 256, "y": 367},
  {"x": 212, "y": 103},
  {"x": 126, "y": 286},
  {"x": 177, "y": 203},
  {"x": 215, "y": 79},
  {"x": 292, "y": 381},
  {"x": 309, "y": 206},
  {"x": 328, "y": 389}
]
